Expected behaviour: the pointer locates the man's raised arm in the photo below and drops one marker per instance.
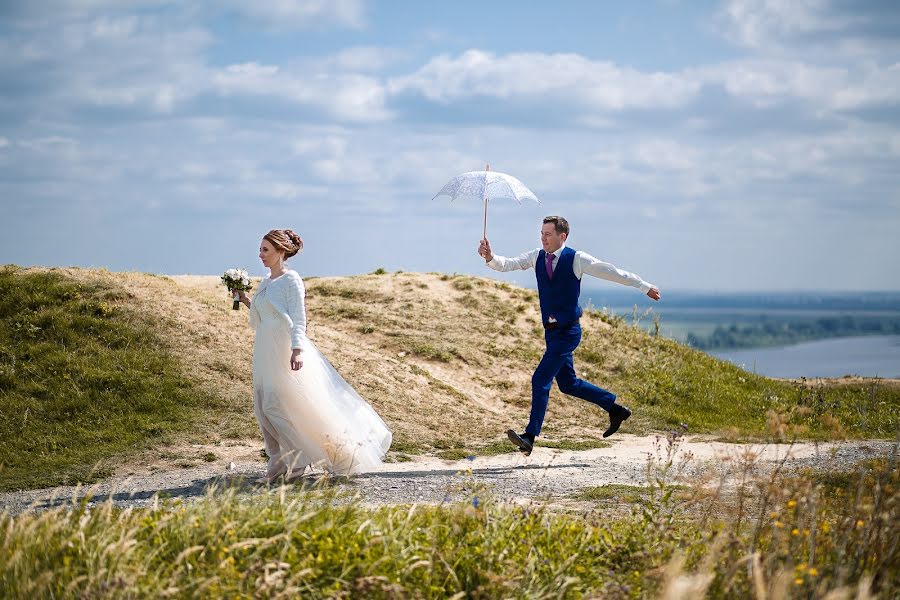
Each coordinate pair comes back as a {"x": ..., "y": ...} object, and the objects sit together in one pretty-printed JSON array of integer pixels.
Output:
[
  {"x": 595, "y": 267},
  {"x": 522, "y": 262}
]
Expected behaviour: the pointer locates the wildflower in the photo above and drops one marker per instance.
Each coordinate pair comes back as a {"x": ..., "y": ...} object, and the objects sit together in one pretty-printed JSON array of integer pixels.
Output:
[
  {"x": 798, "y": 581},
  {"x": 792, "y": 503},
  {"x": 795, "y": 531},
  {"x": 475, "y": 501},
  {"x": 470, "y": 457},
  {"x": 826, "y": 527},
  {"x": 813, "y": 571},
  {"x": 779, "y": 524},
  {"x": 773, "y": 514},
  {"x": 860, "y": 523}
]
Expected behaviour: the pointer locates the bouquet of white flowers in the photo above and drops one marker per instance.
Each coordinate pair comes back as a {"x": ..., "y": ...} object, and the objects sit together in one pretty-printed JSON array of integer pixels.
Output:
[{"x": 237, "y": 280}]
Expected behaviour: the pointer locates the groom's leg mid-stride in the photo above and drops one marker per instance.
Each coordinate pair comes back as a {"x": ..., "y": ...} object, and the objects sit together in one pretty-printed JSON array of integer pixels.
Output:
[
  {"x": 558, "y": 271},
  {"x": 557, "y": 363}
]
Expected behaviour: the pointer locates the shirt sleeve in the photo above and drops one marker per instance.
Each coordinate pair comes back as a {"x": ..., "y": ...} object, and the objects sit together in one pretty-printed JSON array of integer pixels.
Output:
[
  {"x": 291, "y": 304},
  {"x": 522, "y": 262},
  {"x": 585, "y": 263}
]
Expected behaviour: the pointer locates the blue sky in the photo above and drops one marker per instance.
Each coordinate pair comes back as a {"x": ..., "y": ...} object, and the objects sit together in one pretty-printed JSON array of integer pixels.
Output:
[{"x": 734, "y": 145}]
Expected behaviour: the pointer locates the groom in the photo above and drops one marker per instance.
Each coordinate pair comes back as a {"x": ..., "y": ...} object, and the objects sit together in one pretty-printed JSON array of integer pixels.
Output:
[{"x": 559, "y": 270}]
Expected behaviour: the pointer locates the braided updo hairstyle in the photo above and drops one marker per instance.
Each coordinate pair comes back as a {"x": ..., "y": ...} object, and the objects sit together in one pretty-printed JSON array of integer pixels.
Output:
[{"x": 285, "y": 240}]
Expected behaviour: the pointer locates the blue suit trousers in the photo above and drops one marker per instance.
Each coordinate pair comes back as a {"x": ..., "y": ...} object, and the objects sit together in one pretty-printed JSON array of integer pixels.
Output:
[{"x": 557, "y": 363}]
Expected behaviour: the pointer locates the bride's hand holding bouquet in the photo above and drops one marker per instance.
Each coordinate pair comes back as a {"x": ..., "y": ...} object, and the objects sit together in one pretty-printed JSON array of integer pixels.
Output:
[{"x": 237, "y": 281}]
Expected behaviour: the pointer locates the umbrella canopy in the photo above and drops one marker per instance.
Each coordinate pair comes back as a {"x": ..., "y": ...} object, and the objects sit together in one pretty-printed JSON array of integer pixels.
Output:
[{"x": 487, "y": 185}]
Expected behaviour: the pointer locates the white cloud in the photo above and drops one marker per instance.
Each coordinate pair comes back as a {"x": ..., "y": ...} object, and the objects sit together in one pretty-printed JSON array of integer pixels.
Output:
[
  {"x": 301, "y": 14},
  {"x": 328, "y": 144},
  {"x": 760, "y": 23},
  {"x": 53, "y": 12},
  {"x": 716, "y": 146},
  {"x": 349, "y": 97},
  {"x": 137, "y": 62},
  {"x": 363, "y": 59},
  {"x": 765, "y": 82},
  {"x": 594, "y": 85},
  {"x": 53, "y": 144},
  {"x": 668, "y": 155},
  {"x": 595, "y": 89},
  {"x": 817, "y": 30}
]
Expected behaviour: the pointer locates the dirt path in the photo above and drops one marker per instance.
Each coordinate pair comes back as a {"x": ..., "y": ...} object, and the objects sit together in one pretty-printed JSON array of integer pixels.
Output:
[{"x": 548, "y": 474}]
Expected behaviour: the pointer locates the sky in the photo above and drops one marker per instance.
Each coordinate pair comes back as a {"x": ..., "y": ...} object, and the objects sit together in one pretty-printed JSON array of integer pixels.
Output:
[{"x": 738, "y": 145}]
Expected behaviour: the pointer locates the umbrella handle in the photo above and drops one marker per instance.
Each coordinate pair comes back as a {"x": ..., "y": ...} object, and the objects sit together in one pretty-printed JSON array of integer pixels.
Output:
[{"x": 487, "y": 168}]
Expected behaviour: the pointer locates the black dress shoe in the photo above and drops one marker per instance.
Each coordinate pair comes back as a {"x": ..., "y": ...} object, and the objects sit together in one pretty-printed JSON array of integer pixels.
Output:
[
  {"x": 617, "y": 415},
  {"x": 525, "y": 445}
]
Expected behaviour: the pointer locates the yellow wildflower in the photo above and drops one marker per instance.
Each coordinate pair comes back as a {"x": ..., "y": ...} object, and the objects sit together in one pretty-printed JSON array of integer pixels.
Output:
[
  {"x": 792, "y": 503},
  {"x": 860, "y": 523},
  {"x": 813, "y": 571},
  {"x": 798, "y": 581},
  {"x": 795, "y": 531}
]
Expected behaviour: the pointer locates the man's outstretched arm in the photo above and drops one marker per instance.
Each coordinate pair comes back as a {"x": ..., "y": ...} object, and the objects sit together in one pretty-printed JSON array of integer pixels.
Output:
[
  {"x": 585, "y": 263},
  {"x": 522, "y": 262}
]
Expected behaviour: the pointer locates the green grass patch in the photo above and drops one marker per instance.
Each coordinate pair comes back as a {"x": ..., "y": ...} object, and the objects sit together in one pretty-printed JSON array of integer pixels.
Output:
[
  {"x": 83, "y": 379},
  {"x": 469, "y": 301},
  {"x": 491, "y": 449},
  {"x": 566, "y": 444},
  {"x": 672, "y": 384},
  {"x": 614, "y": 492},
  {"x": 401, "y": 445},
  {"x": 425, "y": 347},
  {"x": 454, "y": 454}
]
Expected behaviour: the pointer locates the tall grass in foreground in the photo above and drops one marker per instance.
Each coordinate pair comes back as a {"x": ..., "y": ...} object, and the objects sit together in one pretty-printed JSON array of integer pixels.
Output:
[{"x": 778, "y": 536}]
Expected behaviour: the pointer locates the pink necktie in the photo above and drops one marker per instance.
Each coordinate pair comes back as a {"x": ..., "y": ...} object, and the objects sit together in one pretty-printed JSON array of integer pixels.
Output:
[{"x": 550, "y": 258}]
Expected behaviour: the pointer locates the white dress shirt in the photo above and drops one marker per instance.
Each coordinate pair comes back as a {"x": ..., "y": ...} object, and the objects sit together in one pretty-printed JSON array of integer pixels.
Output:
[{"x": 583, "y": 263}]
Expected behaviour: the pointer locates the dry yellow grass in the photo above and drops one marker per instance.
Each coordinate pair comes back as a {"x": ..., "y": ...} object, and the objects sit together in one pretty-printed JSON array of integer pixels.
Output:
[{"x": 446, "y": 360}]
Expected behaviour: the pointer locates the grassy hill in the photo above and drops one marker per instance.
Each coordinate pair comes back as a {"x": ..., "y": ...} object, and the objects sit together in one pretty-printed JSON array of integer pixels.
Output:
[{"x": 97, "y": 368}]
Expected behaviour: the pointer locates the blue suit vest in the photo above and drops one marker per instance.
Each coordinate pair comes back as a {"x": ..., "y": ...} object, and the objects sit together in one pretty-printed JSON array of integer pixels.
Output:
[{"x": 559, "y": 295}]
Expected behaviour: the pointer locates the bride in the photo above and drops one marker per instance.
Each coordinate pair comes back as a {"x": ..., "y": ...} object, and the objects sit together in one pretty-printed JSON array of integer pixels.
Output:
[{"x": 307, "y": 413}]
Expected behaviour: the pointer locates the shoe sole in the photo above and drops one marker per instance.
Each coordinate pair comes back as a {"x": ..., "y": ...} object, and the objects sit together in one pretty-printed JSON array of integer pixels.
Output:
[{"x": 515, "y": 439}]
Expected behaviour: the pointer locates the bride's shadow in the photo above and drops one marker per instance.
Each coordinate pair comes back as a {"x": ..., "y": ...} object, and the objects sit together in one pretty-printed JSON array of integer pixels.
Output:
[
  {"x": 217, "y": 484},
  {"x": 242, "y": 483}
]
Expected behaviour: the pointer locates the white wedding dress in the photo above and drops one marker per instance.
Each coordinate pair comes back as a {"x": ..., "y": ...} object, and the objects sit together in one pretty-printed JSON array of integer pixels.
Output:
[{"x": 311, "y": 416}]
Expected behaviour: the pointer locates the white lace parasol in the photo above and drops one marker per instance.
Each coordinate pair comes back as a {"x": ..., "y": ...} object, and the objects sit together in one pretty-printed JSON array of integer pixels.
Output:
[{"x": 486, "y": 185}]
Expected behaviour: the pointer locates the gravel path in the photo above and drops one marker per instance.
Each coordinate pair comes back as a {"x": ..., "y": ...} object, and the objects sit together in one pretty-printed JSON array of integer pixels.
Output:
[{"x": 547, "y": 474}]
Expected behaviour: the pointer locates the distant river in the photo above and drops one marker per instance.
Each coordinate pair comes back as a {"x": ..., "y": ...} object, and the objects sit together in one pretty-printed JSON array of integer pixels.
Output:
[{"x": 869, "y": 356}]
